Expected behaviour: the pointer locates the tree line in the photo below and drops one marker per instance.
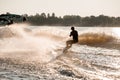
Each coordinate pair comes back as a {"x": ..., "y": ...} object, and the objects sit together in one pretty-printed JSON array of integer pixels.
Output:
[{"x": 72, "y": 20}]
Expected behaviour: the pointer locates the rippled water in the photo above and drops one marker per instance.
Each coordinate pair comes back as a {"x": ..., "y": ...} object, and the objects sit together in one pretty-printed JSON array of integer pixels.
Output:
[{"x": 36, "y": 53}]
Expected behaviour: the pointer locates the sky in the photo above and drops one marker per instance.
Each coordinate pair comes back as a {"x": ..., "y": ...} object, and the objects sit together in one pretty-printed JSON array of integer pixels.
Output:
[{"x": 62, "y": 7}]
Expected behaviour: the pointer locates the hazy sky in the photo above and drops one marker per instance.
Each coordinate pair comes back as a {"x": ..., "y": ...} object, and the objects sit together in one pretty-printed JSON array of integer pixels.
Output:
[{"x": 62, "y": 7}]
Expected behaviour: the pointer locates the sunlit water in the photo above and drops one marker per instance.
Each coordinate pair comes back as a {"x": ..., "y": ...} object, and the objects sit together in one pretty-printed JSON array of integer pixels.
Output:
[{"x": 36, "y": 53}]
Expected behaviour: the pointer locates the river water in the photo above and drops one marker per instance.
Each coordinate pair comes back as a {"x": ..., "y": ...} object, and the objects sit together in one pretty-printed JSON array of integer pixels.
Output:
[{"x": 36, "y": 53}]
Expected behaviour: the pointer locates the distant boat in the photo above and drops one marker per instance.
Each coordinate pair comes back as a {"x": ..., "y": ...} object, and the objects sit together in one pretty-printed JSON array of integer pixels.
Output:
[{"x": 7, "y": 19}]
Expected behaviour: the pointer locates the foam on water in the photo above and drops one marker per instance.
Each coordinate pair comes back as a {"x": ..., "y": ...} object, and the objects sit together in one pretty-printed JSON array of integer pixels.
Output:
[{"x": 26, "y": 49}]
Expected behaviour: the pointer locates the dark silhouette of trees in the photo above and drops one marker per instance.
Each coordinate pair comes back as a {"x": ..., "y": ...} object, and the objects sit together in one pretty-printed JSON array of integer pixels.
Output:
[{"x": 72, "y": 20}]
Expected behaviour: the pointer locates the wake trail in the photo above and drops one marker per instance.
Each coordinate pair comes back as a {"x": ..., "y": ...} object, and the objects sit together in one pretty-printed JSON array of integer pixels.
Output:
[{"x": 55, "y": 57}]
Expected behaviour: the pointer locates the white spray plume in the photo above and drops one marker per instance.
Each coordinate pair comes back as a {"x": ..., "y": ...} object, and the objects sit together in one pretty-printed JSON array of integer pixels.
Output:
[{"x": 27, "y": 47}]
